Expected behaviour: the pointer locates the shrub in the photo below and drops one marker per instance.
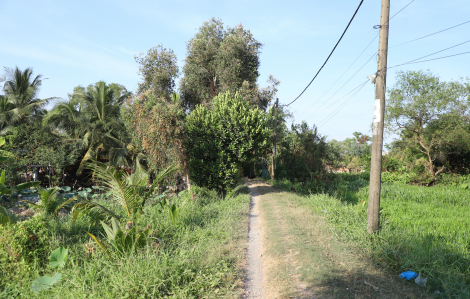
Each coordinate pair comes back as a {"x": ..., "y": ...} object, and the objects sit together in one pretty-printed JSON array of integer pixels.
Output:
[{"x": 222, "y": 138}]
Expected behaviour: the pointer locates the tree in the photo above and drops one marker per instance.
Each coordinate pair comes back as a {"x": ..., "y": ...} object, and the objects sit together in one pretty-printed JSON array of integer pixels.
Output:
[
  {"x": 301, "y": 151},
  {"x": 427, "y": 114},
  {"x": 157, "y": 128},
  {"x": 159, "y": 70},
  {"x": 218, "y": 61},
  {"x": 20, "y": 100},
  {"x": 352, "y": 153},
  {"x": 220, "y": 139},
  {"x": 91, "y": 117},
  {"x": 34, "y": 145}
]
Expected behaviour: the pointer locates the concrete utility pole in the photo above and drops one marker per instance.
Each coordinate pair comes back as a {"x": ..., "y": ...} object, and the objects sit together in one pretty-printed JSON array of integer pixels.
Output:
[
  {"x": 274, "y": 141},
  {"x": 378, "y": 130}
]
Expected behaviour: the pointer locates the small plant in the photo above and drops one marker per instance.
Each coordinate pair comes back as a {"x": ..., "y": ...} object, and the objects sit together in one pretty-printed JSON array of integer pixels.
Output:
[
  {"x": 57, "y": 259},
  {"x": 49, "y": 201},
  {"x": 123, "y": 241}
]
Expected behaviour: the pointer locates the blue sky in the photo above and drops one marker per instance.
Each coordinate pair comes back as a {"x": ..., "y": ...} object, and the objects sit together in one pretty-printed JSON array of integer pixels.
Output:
[{"x": 81, "y": 42}]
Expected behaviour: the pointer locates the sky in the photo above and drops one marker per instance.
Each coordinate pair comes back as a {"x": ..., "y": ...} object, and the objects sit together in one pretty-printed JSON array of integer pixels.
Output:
[{"x": 81, "y": 42}]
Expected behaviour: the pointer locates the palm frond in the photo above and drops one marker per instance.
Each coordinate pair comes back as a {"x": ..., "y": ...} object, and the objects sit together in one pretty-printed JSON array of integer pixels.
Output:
[
  {"x": 95, "y": 211},
  {"x": 126, "y": 196}
]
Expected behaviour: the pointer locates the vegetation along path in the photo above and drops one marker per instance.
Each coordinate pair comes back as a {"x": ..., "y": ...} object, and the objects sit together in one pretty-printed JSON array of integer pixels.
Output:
[{"x": 292, "y": 254}]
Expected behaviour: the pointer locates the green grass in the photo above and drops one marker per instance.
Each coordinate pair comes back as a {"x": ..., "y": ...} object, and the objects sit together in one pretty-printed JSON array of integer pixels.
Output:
[
  {"x": 199, "y": 257},
  {"x": 424, "y": 229}
]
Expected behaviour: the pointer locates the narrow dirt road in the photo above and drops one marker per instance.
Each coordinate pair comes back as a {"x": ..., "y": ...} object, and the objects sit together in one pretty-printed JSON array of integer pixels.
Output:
[
  {"x": 292, "y": 254},
  {"x": 254, "y": 265}
]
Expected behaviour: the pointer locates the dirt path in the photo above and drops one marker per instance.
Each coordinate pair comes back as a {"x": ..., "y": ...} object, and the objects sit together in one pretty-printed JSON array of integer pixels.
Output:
[
  {"x": 291, "y": 254},
  {"x": 254, "y": 270}
]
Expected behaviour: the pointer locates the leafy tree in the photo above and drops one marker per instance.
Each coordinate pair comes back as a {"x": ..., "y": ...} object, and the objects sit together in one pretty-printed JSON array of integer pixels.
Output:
[
  {"x": 427, "y": 114},
  {"x": 34, "y": 145},
  {"x": 352, "y": 153},
  {"x": 157, "y": 126},
  {"x": 219, "y": 60},
  {"x": 301, "y": 151},
  {"x": 220, "y": 139},
  {"x": 159, "y": 70}
]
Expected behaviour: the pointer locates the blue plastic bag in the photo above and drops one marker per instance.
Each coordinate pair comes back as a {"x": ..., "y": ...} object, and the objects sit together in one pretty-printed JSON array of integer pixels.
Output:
[{"x": 409, "y": 275}]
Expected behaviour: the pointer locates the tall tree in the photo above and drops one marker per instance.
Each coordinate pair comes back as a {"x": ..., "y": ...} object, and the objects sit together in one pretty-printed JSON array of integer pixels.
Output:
[
  {"x": 427, "y": 114},
  {"x": 91, "y": 116},
  {"x": 218, "y": 61},
  {"x": 21, "y": 98},
  {"x": 158, "y": 70}
]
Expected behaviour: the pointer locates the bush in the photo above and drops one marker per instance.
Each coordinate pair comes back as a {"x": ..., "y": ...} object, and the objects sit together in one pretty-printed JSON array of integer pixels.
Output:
[
  {"x": 21, "y": 247},
  {"x": 219, "y": 140}
]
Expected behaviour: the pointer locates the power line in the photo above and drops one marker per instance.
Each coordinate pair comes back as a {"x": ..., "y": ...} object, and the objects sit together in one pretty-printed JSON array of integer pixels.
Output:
[
  {"x": 411, "y": 61},
  {"x": 439, "y": 58},
  {"x": 331, "y": 53},
  {"x": 348, "y": 68},
  {"x": 331, "y": 115},
  {"x": 341, "y": 77},
  {"x": 340, "y": 98},
  {"x": 400, "y": 10},
  {"x": 342, "y": 86},
  {"x": 430, "y": 34}
]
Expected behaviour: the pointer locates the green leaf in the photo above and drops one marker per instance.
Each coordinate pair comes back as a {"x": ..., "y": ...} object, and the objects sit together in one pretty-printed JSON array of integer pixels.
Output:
[
  {"x": 45, "y": 282},
  {"x": 5, "y": 190},
  {"x": 66, "y": 188},
  {"x": 58, "y": 257},
  {"x": 7, "y": 217},
  {"x": 25, "y": 186}
]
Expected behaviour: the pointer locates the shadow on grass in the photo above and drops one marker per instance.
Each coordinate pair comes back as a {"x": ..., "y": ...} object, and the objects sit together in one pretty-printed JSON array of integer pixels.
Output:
[{"x": 357, "y": 284}]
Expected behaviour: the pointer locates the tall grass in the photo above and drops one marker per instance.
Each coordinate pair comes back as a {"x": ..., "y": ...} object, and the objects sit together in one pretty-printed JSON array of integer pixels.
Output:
[
  {"x": 198, "y": 256},
  {"x": 424, "y": 229}
]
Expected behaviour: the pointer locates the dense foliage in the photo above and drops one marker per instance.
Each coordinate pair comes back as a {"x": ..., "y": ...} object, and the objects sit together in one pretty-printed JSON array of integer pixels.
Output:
[
  {"x": 158, "y": 70},
  {"x": 220, "y": 139},
  {"x": 431, "y": 118},
  {"x": 32, "y": 144}
]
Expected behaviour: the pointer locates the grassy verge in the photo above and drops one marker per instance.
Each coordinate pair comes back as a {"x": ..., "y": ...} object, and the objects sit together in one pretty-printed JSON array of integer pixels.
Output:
[
  {"x": 423, "y": 229},
  {"x": 198, "y": 257}
]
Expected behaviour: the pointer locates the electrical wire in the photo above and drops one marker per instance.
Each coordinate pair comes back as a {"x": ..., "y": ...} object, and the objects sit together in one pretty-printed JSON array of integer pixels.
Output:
[
  {"x": 411, "y": 61},
  {"x": 439, "y": 58},
  {"x": 331, "y": 53},
  {"x": 338, "y": 99},
  {"x": 341, "y": 77},
  {"x": 349, "y": 68},
  {"x": 429, "y": 35},
  {"x": 315, "y": 112},
  {"x": 400, "y": 10},
  {"x": 331, "y": 115}
]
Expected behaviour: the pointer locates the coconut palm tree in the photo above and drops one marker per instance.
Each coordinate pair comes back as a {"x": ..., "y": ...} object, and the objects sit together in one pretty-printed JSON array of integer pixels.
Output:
[
  {"x": 92, "y": 117},
  {"x": 22, "y": 91}
]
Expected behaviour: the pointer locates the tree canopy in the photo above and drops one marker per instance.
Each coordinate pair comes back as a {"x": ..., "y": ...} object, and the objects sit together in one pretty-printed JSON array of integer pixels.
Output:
[
  {"x": 220, "y": 139},
  {"x": 219, "y": 60},
  {"x": 430, "y": 117}
]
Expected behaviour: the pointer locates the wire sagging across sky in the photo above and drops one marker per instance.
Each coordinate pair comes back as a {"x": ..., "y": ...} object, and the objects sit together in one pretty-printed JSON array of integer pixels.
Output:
[{"x": 331, "y": 53}]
